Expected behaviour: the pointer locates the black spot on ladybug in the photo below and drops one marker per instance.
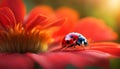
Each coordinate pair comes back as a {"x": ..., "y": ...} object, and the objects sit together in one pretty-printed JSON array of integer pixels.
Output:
[
  {"x": 71, "y": 36},
  {"x": 67, "y": 41},
  {"x": 74, "y": 38}
]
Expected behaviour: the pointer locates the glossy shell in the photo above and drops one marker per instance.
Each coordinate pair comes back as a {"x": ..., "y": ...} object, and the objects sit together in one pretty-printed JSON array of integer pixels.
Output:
[{"x": 74, "y": 39}]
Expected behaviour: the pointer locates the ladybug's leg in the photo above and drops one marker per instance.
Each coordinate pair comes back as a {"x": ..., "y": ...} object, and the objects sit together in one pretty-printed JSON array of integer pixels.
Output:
[
  {"x": 74, "y": 45},
  {"x": 70, "y": 45},
  {"x": 64, "y": 47},
  {"x": 78, "y": 43},
  {"x": 83, "y": 47}
]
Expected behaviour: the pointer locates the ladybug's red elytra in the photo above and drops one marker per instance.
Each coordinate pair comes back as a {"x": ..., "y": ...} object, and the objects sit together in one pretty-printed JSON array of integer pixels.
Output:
[{"x": 74, "y": 39}]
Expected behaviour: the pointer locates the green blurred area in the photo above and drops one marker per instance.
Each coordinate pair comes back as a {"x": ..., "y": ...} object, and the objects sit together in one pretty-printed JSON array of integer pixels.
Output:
[
  {"x": 108, "y": 10},
  {"x": 115, "y": 63}
]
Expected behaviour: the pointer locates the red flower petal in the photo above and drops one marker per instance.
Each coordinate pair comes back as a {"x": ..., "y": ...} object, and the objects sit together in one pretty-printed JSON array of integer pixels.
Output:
[
  {"x": 39, "y": 19},
  {"x": 7, "y": 18},
  {"x": 41, "y": 10},
  {"x": 109, "y": 47},
  {"x": 48, "y": 16},
  {"x": 17, "y": 7},
  {"x": 56, "y": 23},
  {"x": 95, "y": 29},
  {"x": 40, "y": 23},
  {"x": 71, "y": 18},
  {"x": 80, "y": 59},
  {"x": 15, "y": 61}
]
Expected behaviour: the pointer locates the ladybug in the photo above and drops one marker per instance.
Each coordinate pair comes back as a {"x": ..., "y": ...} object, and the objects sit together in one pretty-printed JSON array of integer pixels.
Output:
[{"x": 74, "y": 39}]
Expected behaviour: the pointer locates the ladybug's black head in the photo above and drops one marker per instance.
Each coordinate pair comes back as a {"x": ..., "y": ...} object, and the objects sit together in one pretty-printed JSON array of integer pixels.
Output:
[{"x": 82, "y": 41}]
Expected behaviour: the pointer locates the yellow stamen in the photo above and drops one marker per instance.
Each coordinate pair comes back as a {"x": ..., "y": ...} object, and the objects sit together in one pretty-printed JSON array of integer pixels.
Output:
[{"x": 18, "y": 40}]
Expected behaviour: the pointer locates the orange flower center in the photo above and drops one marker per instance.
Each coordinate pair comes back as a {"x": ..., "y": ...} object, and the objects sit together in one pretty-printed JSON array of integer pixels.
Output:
[{"x": 19, "y": 40}]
